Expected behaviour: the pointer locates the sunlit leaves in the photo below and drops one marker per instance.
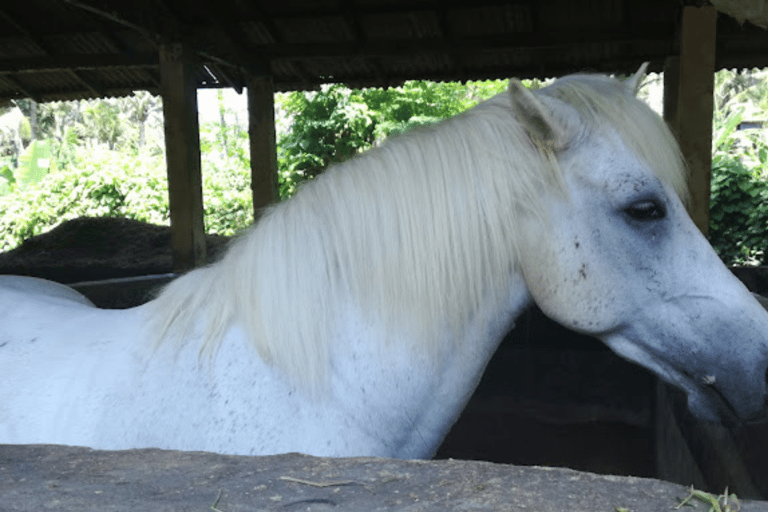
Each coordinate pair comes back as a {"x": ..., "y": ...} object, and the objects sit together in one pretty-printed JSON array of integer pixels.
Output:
[
  {"x": 738, "y": 211},
  {"x": 334, "y": 123}
]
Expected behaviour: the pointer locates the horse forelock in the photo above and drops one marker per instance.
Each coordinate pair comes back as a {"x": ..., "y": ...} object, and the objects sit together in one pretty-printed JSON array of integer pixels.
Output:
[{"x": 414, "y": 239}]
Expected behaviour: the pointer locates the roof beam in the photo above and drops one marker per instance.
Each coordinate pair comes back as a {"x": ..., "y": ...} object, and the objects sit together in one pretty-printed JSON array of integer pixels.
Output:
[
  {"x": 352, "y": 20},
  {"x": 399, "y": 8},
  {"x": 24, "y": 92},
  {"x": 449, "y": 35},
  {"x": 27, "y": 33},
  {"x": 268, "y": 26},
  {"x": 463, "y": 45},
  {"x": 75, "y": 62},
  {"x": 617, "y": 65}
]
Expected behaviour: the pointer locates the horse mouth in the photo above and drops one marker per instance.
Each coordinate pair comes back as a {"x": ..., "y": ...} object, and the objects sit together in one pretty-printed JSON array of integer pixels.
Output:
[{"x": 705, "y": 400}]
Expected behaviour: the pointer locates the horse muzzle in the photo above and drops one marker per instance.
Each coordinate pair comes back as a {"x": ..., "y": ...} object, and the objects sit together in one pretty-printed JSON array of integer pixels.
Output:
[{"x": 714, "y": 352}]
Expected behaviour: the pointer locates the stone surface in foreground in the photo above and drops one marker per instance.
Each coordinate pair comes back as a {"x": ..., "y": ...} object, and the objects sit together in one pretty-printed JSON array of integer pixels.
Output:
[{"x": 38, "y": 478}]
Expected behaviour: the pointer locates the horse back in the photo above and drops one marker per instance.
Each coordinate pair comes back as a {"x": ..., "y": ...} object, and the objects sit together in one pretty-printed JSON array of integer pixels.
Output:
[
  {"x": 57, "y": 355},
  {"x": 42, "y": 289}
]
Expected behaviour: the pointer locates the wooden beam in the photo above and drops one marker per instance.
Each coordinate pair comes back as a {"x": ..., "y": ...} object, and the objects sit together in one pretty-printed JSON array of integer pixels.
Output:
[
  {"x": 695, "y": 104},
  {"x": 22, "y": 90},
  {"x": 466, "y": 45},
  {"x": 50, "y": 50},
  {"x": 182, "y": 143},
  {"x": 671, "y": 91},
  {"x": 85, "y": 61},
  {"x": 261, "y": 131}
]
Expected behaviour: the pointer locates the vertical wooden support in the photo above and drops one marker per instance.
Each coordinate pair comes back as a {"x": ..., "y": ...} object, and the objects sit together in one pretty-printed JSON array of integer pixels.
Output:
[
  {"x": 261, "y": 131},
  {"x": 671, "y": 92},
  {"x": 182, "y": 143},
  {"x": 695, "y": 104}
]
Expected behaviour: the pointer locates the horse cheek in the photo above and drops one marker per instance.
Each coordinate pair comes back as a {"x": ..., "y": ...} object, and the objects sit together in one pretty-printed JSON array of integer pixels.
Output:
[{"x": 570, "y": 290}]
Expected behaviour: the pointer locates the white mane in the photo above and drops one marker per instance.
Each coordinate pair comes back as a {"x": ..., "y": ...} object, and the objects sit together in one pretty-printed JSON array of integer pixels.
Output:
[{"x": 419, "y": 232}]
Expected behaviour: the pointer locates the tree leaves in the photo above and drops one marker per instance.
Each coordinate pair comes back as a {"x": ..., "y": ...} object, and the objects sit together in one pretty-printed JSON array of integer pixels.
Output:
[
  {"x": 739, "y": 203},
  {"x": 335, "y": 123}
]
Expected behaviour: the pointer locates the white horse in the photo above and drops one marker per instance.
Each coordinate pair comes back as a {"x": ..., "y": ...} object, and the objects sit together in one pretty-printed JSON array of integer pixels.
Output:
[{"x": 358, "y": 317}]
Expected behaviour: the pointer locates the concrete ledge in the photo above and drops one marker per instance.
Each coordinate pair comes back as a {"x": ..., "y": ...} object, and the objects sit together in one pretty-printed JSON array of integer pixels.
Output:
[{"x": 34, "y": 478}]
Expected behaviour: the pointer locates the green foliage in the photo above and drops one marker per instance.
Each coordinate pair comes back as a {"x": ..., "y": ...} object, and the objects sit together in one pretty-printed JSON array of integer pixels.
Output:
[
  {"x": 419, "y": 103},
  {"x": 228, "y": 199},
  {"x": 103, "y": 118},
  {"x": 25, "y": 129},
  {"x": 335, "y": 123},
  {"x": 104, "y": 184},
  {"x": 7, "y": 180},
  {"x": 739, "y": 201},
  {"x": 328, "y": 126},
  {"x": 34, "y": 164},
  {"x": 227, "y": 192}
]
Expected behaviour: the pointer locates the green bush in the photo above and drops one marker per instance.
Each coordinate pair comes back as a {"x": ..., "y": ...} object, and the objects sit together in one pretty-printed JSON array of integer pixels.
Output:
[
  {"x": 739, "y": 202},
  {"x": 335, "y": 123},
  {"x": 101, "y": 183},
  {"x": 227, "y": 198}
]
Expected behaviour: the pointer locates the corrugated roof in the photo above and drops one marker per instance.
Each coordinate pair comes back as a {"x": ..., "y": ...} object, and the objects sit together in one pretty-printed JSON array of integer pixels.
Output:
[{"x": 70, "y": 49}]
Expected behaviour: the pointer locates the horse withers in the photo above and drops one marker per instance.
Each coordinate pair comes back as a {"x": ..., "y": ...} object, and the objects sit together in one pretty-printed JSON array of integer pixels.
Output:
[{"x": 358, "y": 317}]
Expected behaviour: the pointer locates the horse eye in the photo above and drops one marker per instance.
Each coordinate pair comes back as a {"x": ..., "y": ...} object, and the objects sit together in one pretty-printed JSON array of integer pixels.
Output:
[{"x": 645, "y": 211}]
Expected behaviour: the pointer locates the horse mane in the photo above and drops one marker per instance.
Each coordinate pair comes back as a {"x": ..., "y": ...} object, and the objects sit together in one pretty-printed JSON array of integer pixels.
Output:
[{"x": 419, "y": 234}]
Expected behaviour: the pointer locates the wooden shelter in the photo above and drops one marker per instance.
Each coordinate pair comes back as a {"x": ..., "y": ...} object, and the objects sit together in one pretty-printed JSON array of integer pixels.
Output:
[{"x": 53, "y": 50}]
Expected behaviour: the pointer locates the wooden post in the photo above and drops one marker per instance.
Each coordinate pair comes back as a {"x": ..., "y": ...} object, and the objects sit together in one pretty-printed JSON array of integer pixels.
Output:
[
  {"x": 261, "y": 131},
  {"x": 695, "y": 104},
  {"x": 671, "y": 92},
  {"x": 182, "y": 147}
]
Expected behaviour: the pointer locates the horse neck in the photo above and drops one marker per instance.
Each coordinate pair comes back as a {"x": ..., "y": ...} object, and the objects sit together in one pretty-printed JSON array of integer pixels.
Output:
[{"x": 417, "y": 394}]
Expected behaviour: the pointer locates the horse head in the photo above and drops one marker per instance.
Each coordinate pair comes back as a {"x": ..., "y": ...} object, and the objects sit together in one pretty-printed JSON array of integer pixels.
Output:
[{"x": 616, "y": 255}]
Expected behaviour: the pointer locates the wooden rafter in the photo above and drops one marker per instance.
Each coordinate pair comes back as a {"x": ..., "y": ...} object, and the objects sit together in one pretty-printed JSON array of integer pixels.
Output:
[
  {"x": 75, "y": 62},
  {"x": 454, "y": 45},
  {"x": 45, "y": 48},
  {"x": 447, "y": 34},
  {"x": 351, "y": 18},
  {"x": 22, "y": 90},
  {"x": 378, "y": 9}
]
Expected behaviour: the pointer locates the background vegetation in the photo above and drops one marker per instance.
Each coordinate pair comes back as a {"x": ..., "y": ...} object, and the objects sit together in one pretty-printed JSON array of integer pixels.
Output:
[{"x": 105, "y": 158}]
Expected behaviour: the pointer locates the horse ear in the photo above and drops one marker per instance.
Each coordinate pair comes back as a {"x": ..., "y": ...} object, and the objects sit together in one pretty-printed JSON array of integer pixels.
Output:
[
  {"x": 634, "y": 82},
  {"x": 537, "y": 119}
]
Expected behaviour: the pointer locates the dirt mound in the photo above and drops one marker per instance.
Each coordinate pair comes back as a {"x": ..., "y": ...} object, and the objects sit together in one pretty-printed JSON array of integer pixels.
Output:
[{"x": 90, "y": 249}]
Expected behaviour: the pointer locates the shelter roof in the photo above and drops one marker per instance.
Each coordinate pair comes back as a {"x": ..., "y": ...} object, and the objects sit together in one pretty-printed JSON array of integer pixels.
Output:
[{"x": 74, "y": 49}]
